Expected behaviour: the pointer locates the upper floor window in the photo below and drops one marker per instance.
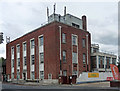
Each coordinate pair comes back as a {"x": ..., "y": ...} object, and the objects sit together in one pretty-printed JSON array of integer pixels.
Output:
[
  {"x": 12, "y": 62},
  {"x": 12, "y": 50},
  {"x": 41, "y": 58},
  {"x": 75, "y": 25},
  {"x": 41, "y": 40},
  {"x": 18, "y": 61},
  {"x": 33, "y": 59},
  {"x": 32, "y": 44},
  {"x": 74, "y": 40},
  {"x": 83, "y": 42},
  {"x": 24, "y": 46},
  {"x": 63, "y": 38},
  {"x": 74, "y": 57},
  {"x": 18, "y": 49},
  {"x": 84, "y": 58},
  {"x": 114, "y": 61},
  {"x": 25, "y": 63},
  {"x": 64, "y": 56}
]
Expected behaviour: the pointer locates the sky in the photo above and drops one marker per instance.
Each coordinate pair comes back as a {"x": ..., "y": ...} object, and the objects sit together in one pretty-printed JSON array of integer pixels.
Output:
[{"x": 20, "y": 17}]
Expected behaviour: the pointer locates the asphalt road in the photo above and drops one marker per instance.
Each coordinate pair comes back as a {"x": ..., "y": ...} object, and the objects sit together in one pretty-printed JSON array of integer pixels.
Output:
[{"x": 14, "y": 87}]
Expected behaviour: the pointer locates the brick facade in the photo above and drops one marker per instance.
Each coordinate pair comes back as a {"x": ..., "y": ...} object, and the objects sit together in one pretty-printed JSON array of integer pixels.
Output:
[{"x": 51, "y": 51}]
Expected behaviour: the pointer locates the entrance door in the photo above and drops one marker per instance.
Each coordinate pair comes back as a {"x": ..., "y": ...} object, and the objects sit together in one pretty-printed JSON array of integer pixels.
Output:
[{"x": 24, "y": 76}]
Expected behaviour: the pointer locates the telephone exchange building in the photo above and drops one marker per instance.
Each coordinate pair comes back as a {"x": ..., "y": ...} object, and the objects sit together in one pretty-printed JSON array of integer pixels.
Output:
[{"x": 57, "y": 49}]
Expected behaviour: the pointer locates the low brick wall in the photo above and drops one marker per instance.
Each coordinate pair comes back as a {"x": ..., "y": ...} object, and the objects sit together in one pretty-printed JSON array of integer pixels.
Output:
[{"x": 115, "y": 83}]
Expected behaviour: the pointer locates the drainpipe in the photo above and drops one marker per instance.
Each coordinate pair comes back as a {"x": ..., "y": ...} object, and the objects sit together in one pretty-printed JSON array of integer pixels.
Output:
[
  {"x": 60, "y": 50},
  {"x": 87, "y": 50}
]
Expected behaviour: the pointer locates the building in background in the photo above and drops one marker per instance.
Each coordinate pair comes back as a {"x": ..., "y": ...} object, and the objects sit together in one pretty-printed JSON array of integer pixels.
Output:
[
  {"x": 100, "y": 61},
  {"x": 4, "y": 78},
  {"x": 59, "y": 49}
]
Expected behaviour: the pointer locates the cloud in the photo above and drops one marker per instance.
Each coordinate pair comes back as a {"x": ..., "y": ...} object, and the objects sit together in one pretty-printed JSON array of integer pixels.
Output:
[{"x": 18, "y": 18}]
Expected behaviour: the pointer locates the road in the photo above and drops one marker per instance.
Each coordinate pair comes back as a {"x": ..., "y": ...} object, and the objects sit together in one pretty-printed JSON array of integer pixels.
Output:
[{"x": 83, "y": 87}]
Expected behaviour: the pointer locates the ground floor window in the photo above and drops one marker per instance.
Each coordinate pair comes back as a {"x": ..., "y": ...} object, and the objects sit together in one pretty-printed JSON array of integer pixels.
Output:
[
  {"x": 12, "y": 76},
  {"x": 33, "y": 75},
  {"x": 49, "y": 76},
  {"x": 65, "y": 73},
  {"x": 42, "y": 75},
  {"x": 18, "y": 75},
  {"x": 74, "y": 72}
]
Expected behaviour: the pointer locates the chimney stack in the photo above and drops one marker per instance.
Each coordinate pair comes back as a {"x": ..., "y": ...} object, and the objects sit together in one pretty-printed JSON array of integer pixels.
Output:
[{"x": 84, "y": 21}]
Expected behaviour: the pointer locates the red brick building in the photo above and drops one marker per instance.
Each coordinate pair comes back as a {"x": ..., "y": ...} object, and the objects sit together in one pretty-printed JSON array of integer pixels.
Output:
[{"x": 51, "y": 52}]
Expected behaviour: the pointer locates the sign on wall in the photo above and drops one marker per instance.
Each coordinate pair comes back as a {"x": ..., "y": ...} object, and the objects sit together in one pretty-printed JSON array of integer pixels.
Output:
[{"x": 93, "y": 75}]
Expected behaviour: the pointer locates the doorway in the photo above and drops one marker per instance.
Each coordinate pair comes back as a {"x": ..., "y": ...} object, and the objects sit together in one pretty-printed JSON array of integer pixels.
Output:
[{"x": 24, "y": 76}]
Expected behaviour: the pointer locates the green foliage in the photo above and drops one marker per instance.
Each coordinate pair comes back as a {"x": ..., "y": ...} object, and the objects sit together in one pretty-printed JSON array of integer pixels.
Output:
[{"x": 1, "y": 60}]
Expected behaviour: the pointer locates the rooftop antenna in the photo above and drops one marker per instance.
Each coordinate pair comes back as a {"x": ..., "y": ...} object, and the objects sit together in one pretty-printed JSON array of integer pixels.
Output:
[
  {"x": 64, "y": 10},
  {"x": 54, "y": 8},
  {"x": 48, "y": 14}
]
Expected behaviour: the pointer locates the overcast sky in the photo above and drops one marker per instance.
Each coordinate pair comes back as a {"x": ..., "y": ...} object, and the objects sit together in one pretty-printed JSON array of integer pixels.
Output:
[{"x": 18, "y": 18}]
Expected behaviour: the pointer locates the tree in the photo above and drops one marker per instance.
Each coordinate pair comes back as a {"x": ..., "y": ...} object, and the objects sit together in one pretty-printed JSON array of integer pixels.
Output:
[{"x": 1, "y": 61}]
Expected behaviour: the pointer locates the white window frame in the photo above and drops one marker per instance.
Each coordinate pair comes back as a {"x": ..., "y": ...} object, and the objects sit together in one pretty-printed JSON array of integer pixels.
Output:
[
  {"x": 64, "y": 72},
  {"x": 23, "y": 53},
  {"x": 63, "y": 37},
  {"x": 49, "y": 76},
  {"x": 76, "y": 41},
  {"x": 74, "y": 59},
  {"x": 64, "y": 51},
  {"x": 84, "y": 60},
  {"x": 39, "y": 39}
]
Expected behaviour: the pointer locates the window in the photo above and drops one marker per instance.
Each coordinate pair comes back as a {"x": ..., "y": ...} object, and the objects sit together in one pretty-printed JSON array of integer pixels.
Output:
[
  {"x": 33, "y": 59},
  {"x": 12, "y": 62},
  {"x": 65, "y": 73},
  {"x": 84, "y": 58},
  {"x": 41, "y": 40},
  {"x": 25, "y": 61},
  {"x": 13, "y": 51},
  {"x": 12, "y": 76},
  {"x": 114, "y": 61},
  {"x": 32, "y": 44},
  {"x": 24, "y": 46},
  {"x": 107, "y": 62},
  {"x": 49, "y": 76},
  {"x": 74, "y": 72},
  {"x": 41, "y": 58},
  {"x": 18, "y": 49},
  {"x": 75, "y": 25},
  {"x": 33, "y": 75},
  {"x": 101, "y": 61},
  {"x": 18, "y": 75},
  {"x": 74, "y": 40},
  {"x": 74, "y": 57},
  {"x": 42, "y": 74},
  {"x": 63, "y": 38},
  {"x": 18, "y": 61},
  {"x": 64, "y": 56},
  {"x": 83, "y": 42}
]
